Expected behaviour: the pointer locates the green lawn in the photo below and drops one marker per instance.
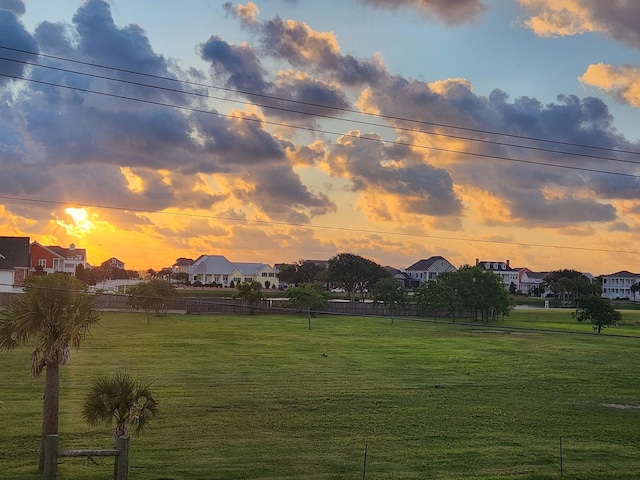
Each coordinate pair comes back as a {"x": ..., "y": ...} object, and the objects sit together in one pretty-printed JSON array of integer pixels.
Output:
[{"x": 252, "y": 397}]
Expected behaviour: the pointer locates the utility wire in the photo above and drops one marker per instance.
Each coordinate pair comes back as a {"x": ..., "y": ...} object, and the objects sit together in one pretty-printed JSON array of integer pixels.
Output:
[
  {"x": 335, "y": 108},
  {"x": 317, "y": 130},
  {"x": 332, "y": 117},
  {"x": 316, "y": 226}
]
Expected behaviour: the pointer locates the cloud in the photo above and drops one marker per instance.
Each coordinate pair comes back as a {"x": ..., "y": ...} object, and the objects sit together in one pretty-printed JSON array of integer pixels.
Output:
[
  {"x": 623, "y": 83},
  {"x": 15, "y": 6},
  {"x": 553, "y": 18},
  {"x": 247, "y": 13},
  {"x": 451, "y": 12},
  {"x": 369, "y": 164},
  {"x": 302, "y": 46},
  {"x": 14, "y": 35}
]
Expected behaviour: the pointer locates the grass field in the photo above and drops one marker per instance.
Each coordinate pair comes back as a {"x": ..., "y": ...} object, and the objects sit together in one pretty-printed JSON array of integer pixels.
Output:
[{"x": 252, "y": 397}]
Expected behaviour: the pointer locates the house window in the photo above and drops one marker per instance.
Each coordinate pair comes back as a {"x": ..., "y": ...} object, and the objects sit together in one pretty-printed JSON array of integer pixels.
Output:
[
  {"x": 42, "y": 262},
  {"x": 272, "y": 274},
  {"x": 264, "y": 274}
]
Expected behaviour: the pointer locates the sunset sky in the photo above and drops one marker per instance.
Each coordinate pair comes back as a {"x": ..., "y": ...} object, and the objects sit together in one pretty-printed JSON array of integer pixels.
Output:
[{"x": 279, "y": 130}]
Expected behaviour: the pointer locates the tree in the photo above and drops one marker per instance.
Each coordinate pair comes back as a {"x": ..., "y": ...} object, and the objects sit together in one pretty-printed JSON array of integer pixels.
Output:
[
  {"x": 306, "y": 296},
  {"x": 304, "y": 271},
  {"x": 390, "y": 293},
  {"x": 354, "y": 273},
  {"x": 598, "y": 311},
  {"x": 568, "y": 285},
  {"x": 120, "y": 398},
  {"x": 57, "y": 312},
  {"x": 251, "y": 293},
  {"x": 635, "y": 288},
  {"x": 151, "y": 296}
]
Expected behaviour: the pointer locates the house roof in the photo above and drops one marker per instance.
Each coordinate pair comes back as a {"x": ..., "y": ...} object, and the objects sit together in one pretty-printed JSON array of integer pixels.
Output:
[
  {"x": 502, "y": 266},
  {"x": 184, "y": 262},
  {"x": 247, "y": 268},
  {"x": 68, "y": 252},
  {"x": 15, "y": 251},
  {"x": 213, "y": 263},
  {"x": 425, "y": 264},
  {"x": 624, "y": 273}
]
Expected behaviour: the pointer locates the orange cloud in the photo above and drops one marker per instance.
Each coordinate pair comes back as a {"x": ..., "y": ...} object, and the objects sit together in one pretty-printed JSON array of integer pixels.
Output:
[
  {"x": 622, "y": 82},
  {"x": 559, "y": 18}
]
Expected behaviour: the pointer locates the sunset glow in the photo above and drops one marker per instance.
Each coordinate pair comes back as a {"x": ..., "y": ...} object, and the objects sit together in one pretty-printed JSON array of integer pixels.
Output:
[{"x": 276, "y": 131}]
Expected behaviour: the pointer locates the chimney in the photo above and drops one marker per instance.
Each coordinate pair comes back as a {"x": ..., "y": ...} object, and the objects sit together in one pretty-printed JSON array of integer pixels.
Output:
[
  {"x": 72, "y": 247},
  {"x": 477, "y": 261},
  {"x": 508, "y": 263}
]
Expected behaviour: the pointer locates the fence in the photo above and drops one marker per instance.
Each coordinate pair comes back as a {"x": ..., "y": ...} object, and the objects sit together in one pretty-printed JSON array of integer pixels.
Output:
[
  {"x": 120, "y": 453},
  {"x": 209, "y": 305}
]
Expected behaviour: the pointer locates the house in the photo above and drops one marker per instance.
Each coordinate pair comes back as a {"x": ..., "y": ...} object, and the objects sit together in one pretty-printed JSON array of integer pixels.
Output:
[
  {"x": 402, "y": 277},
  {"x": 260, "y": 272},
  {"x": 14, "y": 263},
  {"x": 113, "y": 262},
  {"x": 429, "y": 269},
  {"x": 528, "y": 280},
  {"x": 182, "y": 265},
  {"x": 57, "y": 259},
  {"x": 508, "y": 275},
  {"x": 216, "y": 269},
  {"x": 618, "y": 285}
]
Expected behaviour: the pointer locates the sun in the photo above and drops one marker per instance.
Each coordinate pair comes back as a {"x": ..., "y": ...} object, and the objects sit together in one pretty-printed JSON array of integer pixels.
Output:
[{"x": 81, "y": 223}]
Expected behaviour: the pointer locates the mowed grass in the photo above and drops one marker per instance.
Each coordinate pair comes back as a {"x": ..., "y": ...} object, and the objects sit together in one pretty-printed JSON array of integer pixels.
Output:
[{"x": 252, "y": 397}]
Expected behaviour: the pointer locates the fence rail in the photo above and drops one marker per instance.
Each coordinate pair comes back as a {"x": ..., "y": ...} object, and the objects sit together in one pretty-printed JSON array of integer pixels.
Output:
[{"x": 120, "y": 454}]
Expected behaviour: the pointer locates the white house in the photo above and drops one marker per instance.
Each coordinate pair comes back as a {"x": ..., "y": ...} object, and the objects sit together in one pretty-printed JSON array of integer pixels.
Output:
[
  {"x": 618, "y": 285},
  {"x": 528, "y": 280},
  {"x": 429, "y": 269},
  {"x": 208, "y": 269},
  {"x": 503, "y": 270}
]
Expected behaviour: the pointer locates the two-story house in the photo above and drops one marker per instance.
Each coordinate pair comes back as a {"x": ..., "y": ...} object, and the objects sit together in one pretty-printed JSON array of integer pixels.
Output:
[
  {"x": 618, "y": 285},
  {"x": 57, "y": 259},
  {"x": 508, "y": 275},
  {"x": 429, "y": 269}
]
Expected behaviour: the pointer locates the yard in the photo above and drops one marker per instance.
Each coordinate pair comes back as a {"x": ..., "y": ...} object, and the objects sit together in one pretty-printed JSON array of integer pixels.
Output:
[{"x": 264, "y": 397}]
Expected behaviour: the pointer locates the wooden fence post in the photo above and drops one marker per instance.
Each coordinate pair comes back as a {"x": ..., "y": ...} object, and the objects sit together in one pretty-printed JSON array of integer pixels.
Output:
[
  {"x": 122, "y": 459},
  {"x": 50, "y": 445}
]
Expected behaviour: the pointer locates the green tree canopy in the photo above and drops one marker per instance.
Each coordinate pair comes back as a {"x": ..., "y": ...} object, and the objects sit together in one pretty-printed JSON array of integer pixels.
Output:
[
  {"x": 390, "y": 293},
  {"x": 151, "y": 296},
  {"x": 304, "y": 271},
  {"x": 598, "y": 311},
  {"x": 569, "y": 285},
  {"x": 251, "y": 293},
  {"x": 354, "y": 273},
  {"x": 479, "y": 293},
  {"x": 306, "y": 296},
  {"x": 56, "y": 312}
]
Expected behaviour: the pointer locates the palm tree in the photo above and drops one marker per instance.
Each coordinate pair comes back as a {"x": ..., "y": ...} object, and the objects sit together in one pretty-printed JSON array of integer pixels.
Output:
[
  {"x": 57, "y": 312},
  {"x": 120, "y": 398}
]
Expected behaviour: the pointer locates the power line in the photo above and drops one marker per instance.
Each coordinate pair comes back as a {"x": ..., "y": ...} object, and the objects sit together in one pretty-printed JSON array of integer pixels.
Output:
[
  {"x": 320, "y": 115},
  {"x": 322, "y": 227},
  {"x": 327, "y": 132},
  {"x": 335, "y": 108}
]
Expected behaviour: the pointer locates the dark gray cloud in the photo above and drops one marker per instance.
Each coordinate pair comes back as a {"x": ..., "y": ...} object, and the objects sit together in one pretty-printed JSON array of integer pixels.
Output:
[
  {"x": 369, "y": 164},
  {"x": 533, "y": 209},
  {"x": 15, "y": 6},
  {"x": 299, "y": 45},
  {"x": 281, "y": 193},
  {"x": 452, "y": 12},
  {"x": 620, "y": 18},
  {"x": 14, "y": 35},
  {"x": 295, "y": 97}
]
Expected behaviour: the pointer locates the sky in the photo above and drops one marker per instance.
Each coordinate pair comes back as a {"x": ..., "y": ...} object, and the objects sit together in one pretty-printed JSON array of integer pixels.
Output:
[{"x": 280, "y": 130}]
